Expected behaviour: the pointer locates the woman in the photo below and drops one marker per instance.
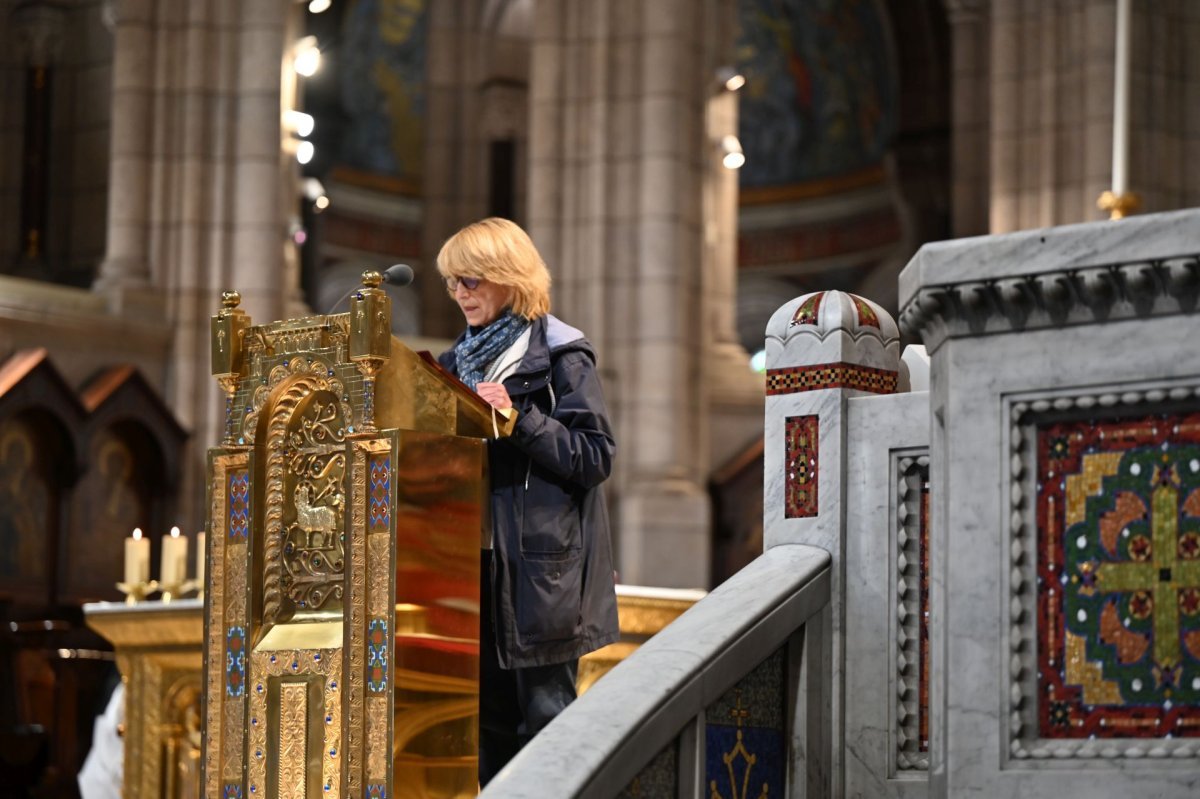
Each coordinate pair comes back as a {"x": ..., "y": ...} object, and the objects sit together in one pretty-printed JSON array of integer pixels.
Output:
[{"x": 547, "y": 580}]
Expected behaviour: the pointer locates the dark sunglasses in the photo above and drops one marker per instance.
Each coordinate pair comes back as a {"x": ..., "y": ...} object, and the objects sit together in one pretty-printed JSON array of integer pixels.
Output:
[{"x": 471, "y": 283}]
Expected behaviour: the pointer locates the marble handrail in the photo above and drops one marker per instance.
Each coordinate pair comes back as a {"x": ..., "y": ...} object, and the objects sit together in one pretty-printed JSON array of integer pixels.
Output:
[{"x": 602, "y": 741}]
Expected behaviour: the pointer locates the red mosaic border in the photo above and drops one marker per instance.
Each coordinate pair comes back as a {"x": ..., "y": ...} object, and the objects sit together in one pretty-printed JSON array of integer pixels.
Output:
[
  {"x": 796, "y": 379},
  {"x": 801, "y": 438}
]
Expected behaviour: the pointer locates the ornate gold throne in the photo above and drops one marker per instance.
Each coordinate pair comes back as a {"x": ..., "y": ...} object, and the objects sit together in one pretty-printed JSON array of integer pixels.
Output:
[{"x": 346, "y": 506}]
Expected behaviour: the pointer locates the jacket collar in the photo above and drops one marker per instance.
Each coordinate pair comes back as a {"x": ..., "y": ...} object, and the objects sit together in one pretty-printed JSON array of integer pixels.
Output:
[{"x": 548, "y": 334}]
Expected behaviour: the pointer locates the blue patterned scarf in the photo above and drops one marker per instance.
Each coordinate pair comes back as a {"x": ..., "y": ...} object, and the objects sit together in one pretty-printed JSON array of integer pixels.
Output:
[{"x": 482, "y": 346}]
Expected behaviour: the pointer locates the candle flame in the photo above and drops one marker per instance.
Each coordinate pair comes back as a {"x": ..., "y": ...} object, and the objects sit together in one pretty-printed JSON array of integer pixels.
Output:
[
  {"x": 174, "y": 532},
  {"x": 137, "y": 533}
]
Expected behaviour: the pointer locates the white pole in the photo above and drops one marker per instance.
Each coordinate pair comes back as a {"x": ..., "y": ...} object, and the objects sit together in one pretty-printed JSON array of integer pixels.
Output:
[{"x": 1120, "y": 157}]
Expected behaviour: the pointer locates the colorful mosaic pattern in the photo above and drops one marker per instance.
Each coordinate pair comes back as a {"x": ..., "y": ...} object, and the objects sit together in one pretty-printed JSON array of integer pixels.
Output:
[
  {"x": 806, "y": 314},
  {"x": 380, "y": 492},
  {"x": 796, "y": 379},
  {"x": 800, "y": 449},
  {"x": 239, "y": 504},
  {"x": 866, "y": 315},
  {"x": 235, "y": 661},
  {"x": 377, "y": 655},
  {"x": 745, "y": 754},
  {"x": 376, "y": 792},
  {"x": 1118, "y": 509},
  {"x": 660, "y": 777},
  {"x": 231, "y": 791}
]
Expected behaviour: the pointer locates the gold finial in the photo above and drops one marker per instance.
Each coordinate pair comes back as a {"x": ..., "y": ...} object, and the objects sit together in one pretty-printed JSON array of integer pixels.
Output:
[
  {"x": 1119, "y": 206},
  {"x": 371, "y": 279},
  {"x": 230, "y": 300}
]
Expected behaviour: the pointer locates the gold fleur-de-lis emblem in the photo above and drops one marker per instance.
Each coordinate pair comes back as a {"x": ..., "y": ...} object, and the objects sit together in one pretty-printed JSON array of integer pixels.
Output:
[{"x": 739, "y": 715}]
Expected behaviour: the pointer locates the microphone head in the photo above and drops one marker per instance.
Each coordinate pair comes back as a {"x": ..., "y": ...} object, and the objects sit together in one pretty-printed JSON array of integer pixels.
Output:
[{"x": 398, "y": 275}]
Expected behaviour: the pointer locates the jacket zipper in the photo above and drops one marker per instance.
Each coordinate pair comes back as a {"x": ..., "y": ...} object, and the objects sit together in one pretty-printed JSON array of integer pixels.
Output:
[{"x": 529, "y": 461}]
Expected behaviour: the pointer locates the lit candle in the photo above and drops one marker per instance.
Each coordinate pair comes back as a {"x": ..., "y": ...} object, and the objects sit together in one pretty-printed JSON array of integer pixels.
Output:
[
  {"x": 137, "y": 558},
  {"x": 200, "y": 559},
  {"x": 174, "y": 560},
  {"x": 1120, "y": 156}
]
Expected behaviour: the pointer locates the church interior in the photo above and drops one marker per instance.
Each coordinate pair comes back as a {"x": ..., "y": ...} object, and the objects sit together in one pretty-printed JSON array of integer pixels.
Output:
[{"x": 685, "y": 167}]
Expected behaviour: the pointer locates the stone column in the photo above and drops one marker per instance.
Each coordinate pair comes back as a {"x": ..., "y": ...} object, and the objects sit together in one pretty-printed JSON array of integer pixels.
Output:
[
  {"x": 126, "y": 265},
  {"x": 618, "y": 153},
  {"x": 969, "y": 93},
  {"x": 199, "y": 194},
  {"x": 822, "y": 349},
  {"x": 455, "y": 170}
]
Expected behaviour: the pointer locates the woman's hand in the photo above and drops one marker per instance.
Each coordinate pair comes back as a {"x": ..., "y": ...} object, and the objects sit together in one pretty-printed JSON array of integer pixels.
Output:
[{"x": 495, "y": 394}]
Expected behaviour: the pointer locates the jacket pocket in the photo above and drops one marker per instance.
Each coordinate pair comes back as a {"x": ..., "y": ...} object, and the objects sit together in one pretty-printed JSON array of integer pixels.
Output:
[{"x": 549, "y": 596}]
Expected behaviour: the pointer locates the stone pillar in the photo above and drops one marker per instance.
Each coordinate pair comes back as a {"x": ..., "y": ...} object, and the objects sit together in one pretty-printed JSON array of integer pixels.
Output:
[
  {"x": 822, "y": 349},
  {"x": 455, "y": 170},
  {"x": 199, "y": 193},
  {"x": 969, "y": 47},
  {"x": 618, "y": 159},
  {"x": 126, "y": 265}
]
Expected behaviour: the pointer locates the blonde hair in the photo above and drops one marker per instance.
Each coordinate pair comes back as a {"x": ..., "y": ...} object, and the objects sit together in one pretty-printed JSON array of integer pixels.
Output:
[{"x": 499, "y": 251}]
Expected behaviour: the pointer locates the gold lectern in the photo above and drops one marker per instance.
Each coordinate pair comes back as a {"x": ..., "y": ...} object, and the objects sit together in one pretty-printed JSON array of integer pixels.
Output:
[{"x": 346, "y": 506}]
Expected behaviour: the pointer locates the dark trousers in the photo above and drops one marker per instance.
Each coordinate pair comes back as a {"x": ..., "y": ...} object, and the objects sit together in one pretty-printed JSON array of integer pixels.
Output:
[{"x": 514, "y": 704}]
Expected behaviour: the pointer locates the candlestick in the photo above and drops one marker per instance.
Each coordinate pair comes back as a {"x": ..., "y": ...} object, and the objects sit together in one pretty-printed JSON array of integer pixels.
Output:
[
  {"x": 137, "y": 558},
  {"x": 173, "y": 567}
]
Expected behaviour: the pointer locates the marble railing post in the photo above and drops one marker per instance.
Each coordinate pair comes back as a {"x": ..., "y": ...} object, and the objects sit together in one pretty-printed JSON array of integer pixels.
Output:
[
  {"x": 822, "y": 349},
  {"x": 1065, "y": 487}
]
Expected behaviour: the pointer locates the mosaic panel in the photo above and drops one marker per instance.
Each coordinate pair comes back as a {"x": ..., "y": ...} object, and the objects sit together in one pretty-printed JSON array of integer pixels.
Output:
[
  {"x": 239, "y": 504},
  {"x": 806, "y": 314},
  {"x": 376, "y": 791},
  {"x": 800, "y": 451},
  {"x": 1118, "y": 519},
  {"x": 660, "y": 777},
  {"x": 231, "y": 791},
  {"x": 235, "y": 661},
  {"x": 796, "y": 379},
  {"x": 378, "y": 644},
  {"x": 912, "y": 634},
  {"x": 744, "y": 736},
  {"x": 379, "y": 517},
  {"x": 866, "y": 314}
]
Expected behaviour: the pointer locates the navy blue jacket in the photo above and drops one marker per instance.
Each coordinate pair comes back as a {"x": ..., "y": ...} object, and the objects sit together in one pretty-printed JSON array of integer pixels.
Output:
[{"x": 552, "y": 572}]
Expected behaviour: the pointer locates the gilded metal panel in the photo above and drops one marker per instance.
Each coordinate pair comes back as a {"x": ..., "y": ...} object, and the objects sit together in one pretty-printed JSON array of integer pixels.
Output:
[
  {"x": 440, "y": 485},
  {"x": 293, "y": 740},
  {"x": 271, "y": 671}
]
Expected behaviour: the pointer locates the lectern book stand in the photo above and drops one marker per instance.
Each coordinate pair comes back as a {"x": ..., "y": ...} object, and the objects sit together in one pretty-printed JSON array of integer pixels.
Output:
[{"x": 346, "y": 504}]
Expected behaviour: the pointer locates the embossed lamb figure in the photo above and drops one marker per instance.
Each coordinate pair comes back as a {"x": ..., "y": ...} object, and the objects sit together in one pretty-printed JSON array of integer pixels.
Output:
[{"x": 318, "y": 519}]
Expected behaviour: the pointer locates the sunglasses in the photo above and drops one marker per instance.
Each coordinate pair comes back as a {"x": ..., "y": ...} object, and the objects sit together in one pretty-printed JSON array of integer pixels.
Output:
[{"x": 471, "y": 283}]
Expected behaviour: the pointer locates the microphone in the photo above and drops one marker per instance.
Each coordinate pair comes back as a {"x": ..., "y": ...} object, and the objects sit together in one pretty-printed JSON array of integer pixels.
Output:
[
  {"x": 398, "y": 275},
  {"x": 394, "y": 275}
]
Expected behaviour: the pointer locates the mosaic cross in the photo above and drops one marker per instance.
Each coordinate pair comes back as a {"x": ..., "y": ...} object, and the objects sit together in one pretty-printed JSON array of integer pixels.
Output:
[
  {"x": 1162, "y": 582},
  {"x": 1118, "y": 623}
]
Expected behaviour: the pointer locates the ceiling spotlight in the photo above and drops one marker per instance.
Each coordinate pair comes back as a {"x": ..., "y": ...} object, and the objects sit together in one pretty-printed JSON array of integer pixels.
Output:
[
  {"x": 317, "y": 6},
  {"x": 732, "y": 156},
  {"x": 730, "y": 79},
  {"x": 305, "y": 152},
  {"x": 299, "y": 121},
  {"x": 321, "y": 203},
  {"x": 307, "y": 58}
]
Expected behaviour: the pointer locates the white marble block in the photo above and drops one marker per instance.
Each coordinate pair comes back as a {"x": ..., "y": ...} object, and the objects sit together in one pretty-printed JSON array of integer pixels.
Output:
[{"x": 1065, "y": 486}]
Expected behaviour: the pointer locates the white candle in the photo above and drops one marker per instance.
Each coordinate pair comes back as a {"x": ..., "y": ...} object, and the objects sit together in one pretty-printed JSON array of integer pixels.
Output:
[
  {"x": 200, "y": 559},
  {"x": 173, "y": 567},
  {"x": 137, "y": 558},
  {"x": 1120, "y": 156}
]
